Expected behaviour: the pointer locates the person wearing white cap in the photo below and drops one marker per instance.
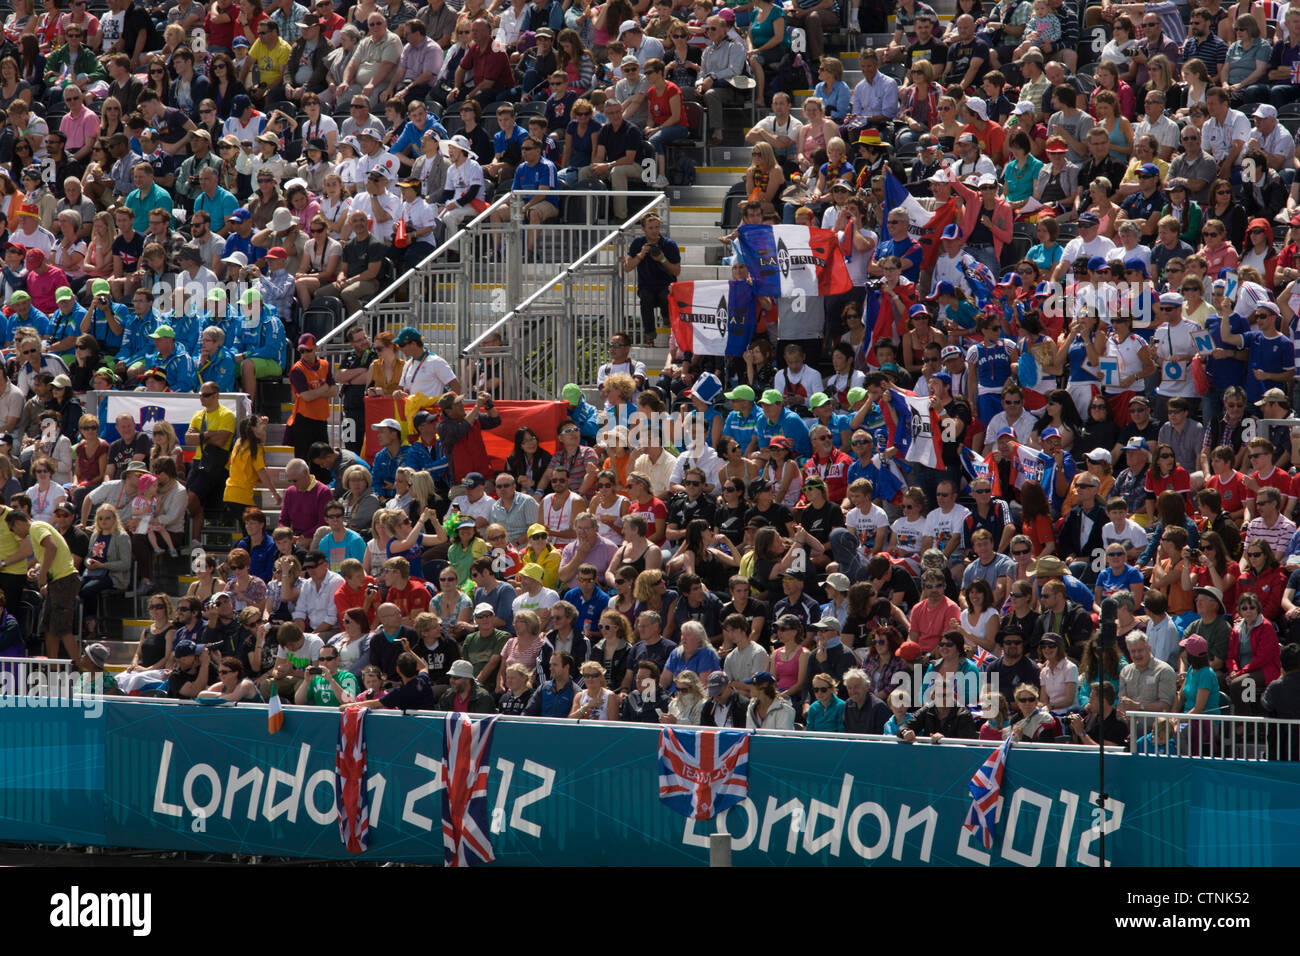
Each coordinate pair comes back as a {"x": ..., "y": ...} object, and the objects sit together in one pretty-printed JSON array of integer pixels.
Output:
[
  {"x": 992, "y": 138},
  {"x": 1274, "y": 139},
  {"x": 630, "y": 90},
  {"x": 381, "y": 207},
  {"x": 970, "y": 160},
  {"x": 986, "y": 220},
  {"x": 638, "y": 44},
  {"x": 1175, "y": 348},
  {"x": 462, "y": 194}
]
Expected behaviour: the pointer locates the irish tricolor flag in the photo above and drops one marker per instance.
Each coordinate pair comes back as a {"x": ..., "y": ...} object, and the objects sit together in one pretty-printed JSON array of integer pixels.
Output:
[
  {"x": 274, "y": 713},
  {"x": 712, "y": 318}
]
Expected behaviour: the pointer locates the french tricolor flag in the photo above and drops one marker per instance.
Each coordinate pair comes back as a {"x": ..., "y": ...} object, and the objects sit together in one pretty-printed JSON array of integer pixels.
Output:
[
  {"x": 786, "y": 261},
  {"x": 927, "y": 433},
  {"x": 712, "y": 318}
]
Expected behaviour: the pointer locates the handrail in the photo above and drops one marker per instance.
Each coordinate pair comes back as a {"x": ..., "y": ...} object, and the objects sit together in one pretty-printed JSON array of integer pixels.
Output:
[
  {"x": 1215, "y": 735},
  {"x": 335, "y": 335},
  {"x": 546, "y": 287}
]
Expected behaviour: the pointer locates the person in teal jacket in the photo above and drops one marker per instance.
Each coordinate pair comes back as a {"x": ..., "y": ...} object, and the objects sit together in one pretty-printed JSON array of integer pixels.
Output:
[
  {"x": 188, "y": 327},
  {"x": 65, "y": 323},
  {"x": 260, "y": 350},
  {"x": 23, "y": 313},
  {"x": 176, "y": 363},
  {"x": 216, "y": 363},
  {"x": 136, "y": 328},
  {"x": 779, "y": 420},
  {"x": 742, "y": 421},
  {"x": 582, "y": 413},
  {"x": 826, "y": 712},
  {"x": 105, "y": 319}
]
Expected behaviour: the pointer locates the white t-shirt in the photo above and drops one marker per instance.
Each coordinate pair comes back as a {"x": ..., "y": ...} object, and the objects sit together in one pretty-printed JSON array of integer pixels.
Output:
[
  {"x": 1175, "y": 377},
  {"x": 1076, "y": 247},
  {"x": 1133, "y": 535},
  {"x": 941, "y": 527},
  {"x": 1022, "y": 426},
  {"x": 310, "y": 649},
  {"x": 865, "y": 525},
  {"x": 807, "y": 379},
  {"x": 365, "y": 202},
  {"x": 475, "y": 509},
  {"x": 545, "y": 598},
  {"x": 110, "y": 28},
  {"x": 909, "y": 534},
  {"x": 461, "y": 178},
  {"x": 429, "y": 376}
]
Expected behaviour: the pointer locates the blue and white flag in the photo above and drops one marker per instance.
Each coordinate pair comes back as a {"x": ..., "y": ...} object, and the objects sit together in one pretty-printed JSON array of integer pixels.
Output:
[
  {"x": 146, "y": 408},
  {"x": 713, "y": 318}
]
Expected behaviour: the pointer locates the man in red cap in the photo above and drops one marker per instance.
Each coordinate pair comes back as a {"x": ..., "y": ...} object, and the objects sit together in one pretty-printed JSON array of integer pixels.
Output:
[
  {"x": 313, "y": 387},
  {"x": 277, "y": 284},
  {"x": 42, "y": 280}
]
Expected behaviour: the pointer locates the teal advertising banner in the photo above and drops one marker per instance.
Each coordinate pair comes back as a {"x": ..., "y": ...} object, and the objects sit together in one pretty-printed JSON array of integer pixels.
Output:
[{"x": 211, "y": 779}]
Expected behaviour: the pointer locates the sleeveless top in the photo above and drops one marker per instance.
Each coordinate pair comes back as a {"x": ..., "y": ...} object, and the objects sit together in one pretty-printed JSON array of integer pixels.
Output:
[
  {"x": 1116, "y": 136},
  {"x": 557, "y": 519},
  {"x": 792, "y": 493},
  {"x": 638, "y": 563},
  {"x": 785, "y": 672},
  {"x": 599, "y": 711},
  {"x": 993, "y": 366},
  {"x": 1080, "y": 371},
  {"x": 615, "y": 512}
]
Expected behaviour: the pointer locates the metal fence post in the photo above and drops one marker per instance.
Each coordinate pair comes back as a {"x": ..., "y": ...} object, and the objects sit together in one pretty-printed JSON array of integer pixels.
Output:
[
  {"x": 618, "y": 286},
  {"x": 719, "y": 849},
  {"x": 514, "y": 258}
]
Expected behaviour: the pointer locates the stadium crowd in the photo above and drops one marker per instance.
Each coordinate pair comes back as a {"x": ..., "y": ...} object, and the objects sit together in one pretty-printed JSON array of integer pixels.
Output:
[{"x": 726, "y": 542}]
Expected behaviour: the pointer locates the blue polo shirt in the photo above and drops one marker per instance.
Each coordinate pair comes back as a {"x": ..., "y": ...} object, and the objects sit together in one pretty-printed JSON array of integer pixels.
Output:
[
  {"x": 501, "y": 142},
  {"x": 791, "y": 426},
  {"x": 221, "y": 205},
  {"x": 742, "y": 427},
  {"x": 528, "y": 178},
  {"x": 412, "y": 136},
  {"x": 589, "y": 609},
  {"x": 220, "y": 369}
]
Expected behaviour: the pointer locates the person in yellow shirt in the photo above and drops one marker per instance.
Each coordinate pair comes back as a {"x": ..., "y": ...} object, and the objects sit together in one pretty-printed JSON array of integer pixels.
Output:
[
  {"x": 266, "y": 59},
  {"x": 540, "y": 552},
  {"x": 248, "y": 467},
  {"x": 56, "y": 577},
  {"x": 13, "y": 572},
  {"x": 212, "y": 429}
]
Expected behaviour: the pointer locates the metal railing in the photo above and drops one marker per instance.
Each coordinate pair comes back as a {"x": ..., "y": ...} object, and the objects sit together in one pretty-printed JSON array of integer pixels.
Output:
[
  {"x": 558, "y": 333},
  {"x": 1213, "y": 736},
  {"x": 43, "y": 676}
]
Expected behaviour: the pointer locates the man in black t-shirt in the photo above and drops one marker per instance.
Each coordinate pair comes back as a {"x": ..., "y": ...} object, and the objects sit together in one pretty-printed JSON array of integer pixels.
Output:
[
  {"x": 138, "y": 33},
  {"x": 131, "y": 445},
  {"x": 414, "y": 693},
  {"x": 968, "y": 56},
  {"x": 363, "y": 258},
  {"x": 927, "y": 46},
  {"x": 1107, "y": 724},
  {"x": 684, "y": 508},
  {"x": 658, "y": 262}
]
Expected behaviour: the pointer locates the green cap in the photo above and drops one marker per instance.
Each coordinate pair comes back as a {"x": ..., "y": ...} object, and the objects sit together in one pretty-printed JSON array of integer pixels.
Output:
[
  {"x": 818, "y": 399},
  {"x": 19, "y": 296},
  {"x": 163, "y": 332},
  {"x": 63, "y": 294},
  {"x": 100, "y": 287},
  {"x": 856, "y": 394},
  {"x": 771, "y": 397},
  {"x": 250, "y": 296},
  {"x": 216, "y": 292},
  {"x": 572, "y": 394},
  {"x": 741, "y": 393},
  {"x": 408, "y": 334}
]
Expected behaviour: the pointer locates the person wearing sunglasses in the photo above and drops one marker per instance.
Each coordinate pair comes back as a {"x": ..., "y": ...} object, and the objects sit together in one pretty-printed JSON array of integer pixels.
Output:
[{"x": 326, "y": 685}]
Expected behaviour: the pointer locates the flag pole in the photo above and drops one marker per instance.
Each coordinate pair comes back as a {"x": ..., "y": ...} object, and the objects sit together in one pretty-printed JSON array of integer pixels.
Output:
[{"x": 1108, "y": 637}]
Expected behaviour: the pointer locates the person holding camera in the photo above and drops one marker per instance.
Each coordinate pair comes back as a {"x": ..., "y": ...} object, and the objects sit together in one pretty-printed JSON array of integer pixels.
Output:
[
  {"x": 461, "y": 431},
  {"x": 658, "y": 262},
  {"x": 297, "y": 652},
  {"x": 326, "y": 685}
]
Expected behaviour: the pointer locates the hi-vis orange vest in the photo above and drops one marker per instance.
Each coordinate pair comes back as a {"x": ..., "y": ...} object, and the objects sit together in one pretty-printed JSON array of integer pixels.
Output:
[{"x": 317, "y": 408}]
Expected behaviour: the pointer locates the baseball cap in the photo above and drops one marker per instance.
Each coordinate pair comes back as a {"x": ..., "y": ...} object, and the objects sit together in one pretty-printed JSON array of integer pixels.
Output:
[
  {"x": 306, "y": 341},
  {"x": 63, "y": 294},
  {"x": 741, "y": 393},
  {"x": 388, "y": 423},
  {"x": 818, "y": 399},
  {"x": 277, "y": 252},
  {"x": 1148, "y": 169},
  {"x": 762, "y": 677},
  {"x": 628, "y": 25},
  {"x": 163, "y": 332},
  {"x": 771, "y": 397},
  {"x": 838, "y": 581},
  {"x": 1050, "y": 432},
  {"x": 1136, "y": 443},
  {"x": 1097, "y": 264},
  {"x": 856, "y": 394},
  {"x": 943, "y": 377},
  {"x": 1023, "y": 107},
  {"x": 483, "y": 608},
  {"x": 240, "y": 215},
  {"x": 909, "y": 650},
  {"x": 951, "y": 231},
  {"x": 1006, "y": 431},
  {"x": 950, "y": 351},
  {"x": 1099, "y": 454},
  {"x": 917, "y": 309},
  {"x": 717, "y": 681},
  {"x": 1137, "y": 265},
  {"x": 572, "y": 394},
  {"x": 1089, "y": 219},
  {"x": 943, "y": 288},
  {"x": 1265, "y": 111},
  {"x": 1195, "y": 645},
  {"x": 474, "y": 479},
  {"x": 406, "y": 336}
]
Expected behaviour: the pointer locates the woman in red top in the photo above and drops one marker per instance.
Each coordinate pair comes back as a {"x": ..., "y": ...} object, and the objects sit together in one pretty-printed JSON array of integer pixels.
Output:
[
  {"x": 1167, "y": 475},
  {"x": 219, "y": 25},
  {"x": 1262, "y": 659},
  {"x": 1036, "y": 519},
  {"x": 91, "y": 456},
  {"x": 667, "y": 114},
  {"x": 1216, "y": 568},
  {"x": 1264, "y": 578}
]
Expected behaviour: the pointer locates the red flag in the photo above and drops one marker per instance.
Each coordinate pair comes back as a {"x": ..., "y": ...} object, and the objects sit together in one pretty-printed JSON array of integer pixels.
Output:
[
  {"x": 542, "y": 417},
  {"x": 930, "y": 235},
  {"x": 833, "y": 277}
]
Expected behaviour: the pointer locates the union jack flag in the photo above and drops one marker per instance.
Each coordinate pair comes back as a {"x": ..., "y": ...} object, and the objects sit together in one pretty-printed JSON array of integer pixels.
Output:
[
  {"x": 465, "y": 835},
  {"x": 350, "y": 780},
  {"x": 1295, "y": 72},
  {"x": 985, "y": 789},
  {"x": 703, "y": 772}
]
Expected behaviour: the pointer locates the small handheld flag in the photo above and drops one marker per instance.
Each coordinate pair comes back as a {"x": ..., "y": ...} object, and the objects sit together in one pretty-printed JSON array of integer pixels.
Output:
[
  {"x": 274, "y": 712},
  {"x": 985, "y": 792}
]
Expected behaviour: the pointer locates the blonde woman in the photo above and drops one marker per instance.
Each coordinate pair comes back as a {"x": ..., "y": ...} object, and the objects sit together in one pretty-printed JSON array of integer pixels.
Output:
[
  {"x": 386, "y": 370},
  {"x": 948, "y": 128},
  {"x": 335, "y": 206},
  {"x": 764, "y": 179},
  {"x": 154, "y": 650},
  {"x": 818, "y": 130},
  {"x": 166, "y": 446},
  {"x": 108, "y": 563},
  {"x": 686, "y": 705},
  {"x": 283, "y": 589},
  {"x": 523, "y": 648},
  {"x": 359, "y": 502},
  {"x": 595, "y": 701},
  {"x": 98, "y": 262}
]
